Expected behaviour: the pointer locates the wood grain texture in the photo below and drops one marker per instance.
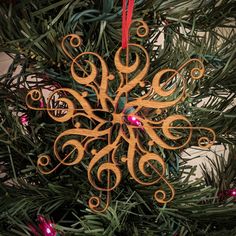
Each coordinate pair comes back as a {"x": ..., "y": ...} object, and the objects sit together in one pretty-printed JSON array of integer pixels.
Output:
[{"x": 145, "y": 166}]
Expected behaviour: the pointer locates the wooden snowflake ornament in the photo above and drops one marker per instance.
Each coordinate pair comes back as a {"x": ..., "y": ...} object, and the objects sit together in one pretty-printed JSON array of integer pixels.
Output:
[{"x": 109, "y": 123}]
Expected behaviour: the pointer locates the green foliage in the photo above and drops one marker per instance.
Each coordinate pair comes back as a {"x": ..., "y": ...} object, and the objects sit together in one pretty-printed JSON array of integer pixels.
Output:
[
  {"x": 222, "y": 172},
  {"x": 31, "y": 32}
]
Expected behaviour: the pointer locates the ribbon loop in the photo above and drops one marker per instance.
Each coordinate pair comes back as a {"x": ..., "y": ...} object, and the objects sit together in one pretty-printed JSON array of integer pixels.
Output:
[{"x": 127, "y": 12}]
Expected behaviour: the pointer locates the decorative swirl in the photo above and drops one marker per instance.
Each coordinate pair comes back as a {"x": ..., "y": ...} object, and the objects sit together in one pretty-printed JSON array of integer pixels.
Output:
[
  {"x": 66, "y": 110},
  {"x": 34, "y": 96},
  {"x": 162, "y": 199},
  {"x": 158, "y": 86},
  {"x": 166, "y": 126},
  {"x": 107, "y": 166},
  {"x": 126, "y": 68},
  {"x": 143, "y": 162},
  {"x": 142, "y": 30},
  {"x": 204, "y": 141},
  {"x": 44, "y": 161},
  {"x": 196, "y": 72},
  {"x": 159, "y": 90},
  {"x": 146, "y": 160},
  {"x": 77, "y": 146},
  {"x": 156, "y": 83},
  {"x": 83, "y": 80},
  {"x": 70, "y": 108},
  {"x": 90, "y": 77},
  {"x": 129, "y": 69},
  {"x": 95, "y": 203},
  {"x": 73, "y": 38}
]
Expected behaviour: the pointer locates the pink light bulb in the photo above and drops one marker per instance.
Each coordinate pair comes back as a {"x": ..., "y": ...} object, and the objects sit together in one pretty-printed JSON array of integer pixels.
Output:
[
  {"x": 48, "y": 231},
  {"x": 41, "y": 104},
  {"x": 46, "y": 226},
  {"x": 24, "y": 119},
  {"x": 234, "y": 193},
  {"x": 133, "y": 121}
]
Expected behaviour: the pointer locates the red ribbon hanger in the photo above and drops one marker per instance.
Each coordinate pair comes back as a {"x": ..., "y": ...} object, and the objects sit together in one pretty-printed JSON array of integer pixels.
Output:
[{"x": 127, "y": 12}]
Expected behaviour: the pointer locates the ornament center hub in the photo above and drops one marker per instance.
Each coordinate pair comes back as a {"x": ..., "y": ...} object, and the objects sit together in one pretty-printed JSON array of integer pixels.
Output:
[{"x": 117, "y": 118}]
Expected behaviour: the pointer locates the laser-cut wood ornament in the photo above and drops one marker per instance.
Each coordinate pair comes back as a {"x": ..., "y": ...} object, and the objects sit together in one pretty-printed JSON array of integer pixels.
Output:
[{"x": 129, "y": 127}]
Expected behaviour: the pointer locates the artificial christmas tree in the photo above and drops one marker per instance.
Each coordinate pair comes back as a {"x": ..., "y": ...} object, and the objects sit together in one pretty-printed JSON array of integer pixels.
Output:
[{"x": 32, "y": 32}]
